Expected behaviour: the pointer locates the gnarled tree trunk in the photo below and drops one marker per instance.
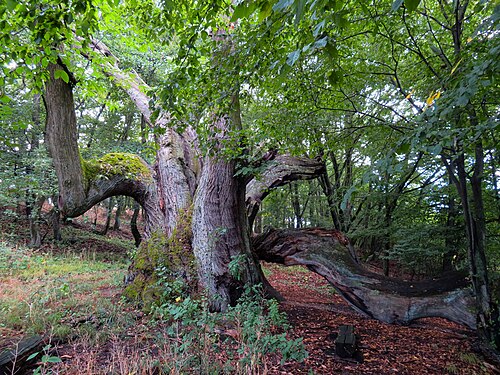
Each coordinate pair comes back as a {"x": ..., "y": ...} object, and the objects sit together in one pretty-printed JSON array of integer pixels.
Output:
[{"x": 191, "y": 207}]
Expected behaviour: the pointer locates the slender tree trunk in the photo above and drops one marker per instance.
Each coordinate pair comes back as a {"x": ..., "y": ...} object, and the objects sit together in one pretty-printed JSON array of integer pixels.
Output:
[
  {"x": 56, "y": 224},
  {"x": 473, "y": 211},
  {"x": 294, "y": 194},
  {"x": 332, "y": 205},
  {"x": 34, "y": 203},
  {"x": 119, "y": 209},
  {"x": 133, "y": 225},
  {"x": 33, "y": 211},
  {"x": 259, "y": 223},
  {"x": 451, "y": 244},
  {"x": 109, "y": 213},
  {"x": 488, "y": 314}
]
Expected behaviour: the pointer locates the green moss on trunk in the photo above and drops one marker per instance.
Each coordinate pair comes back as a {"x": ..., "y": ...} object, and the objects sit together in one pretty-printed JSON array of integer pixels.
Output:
[
  {"x": 164, "y": 268},
  {"x": 114, "y": 164}
]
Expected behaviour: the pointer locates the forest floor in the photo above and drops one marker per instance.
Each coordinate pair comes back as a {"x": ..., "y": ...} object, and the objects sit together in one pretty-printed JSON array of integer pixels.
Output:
[
  {"x": 71, "y": 294},
  {"x": 428, "y": 346}
]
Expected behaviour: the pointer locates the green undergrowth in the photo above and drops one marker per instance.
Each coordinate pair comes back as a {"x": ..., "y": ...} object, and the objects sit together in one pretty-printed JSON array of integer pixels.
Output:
[
  {"x": 245, "y": 336},
  {"x": 43, "y": 291},
  {"x": 77, "y": 239},
  {"x": 72, "y": 292},
  {"x": 54, "y": 290}
]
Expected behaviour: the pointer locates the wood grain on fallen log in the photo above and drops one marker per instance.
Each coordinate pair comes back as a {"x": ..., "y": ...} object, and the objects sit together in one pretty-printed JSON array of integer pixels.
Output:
[{"x": 17, "y": 355}]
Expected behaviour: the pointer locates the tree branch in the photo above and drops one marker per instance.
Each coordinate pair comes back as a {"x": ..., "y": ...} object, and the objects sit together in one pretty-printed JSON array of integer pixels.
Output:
[{"x": 282, "y": 170}]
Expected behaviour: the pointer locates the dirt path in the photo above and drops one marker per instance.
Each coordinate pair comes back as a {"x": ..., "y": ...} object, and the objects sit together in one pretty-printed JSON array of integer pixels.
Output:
[{"x": 430, "y": 346}]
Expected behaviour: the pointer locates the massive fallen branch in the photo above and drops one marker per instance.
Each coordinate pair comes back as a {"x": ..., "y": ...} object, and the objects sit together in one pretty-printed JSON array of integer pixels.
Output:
[{"x": 386, "y": 299}]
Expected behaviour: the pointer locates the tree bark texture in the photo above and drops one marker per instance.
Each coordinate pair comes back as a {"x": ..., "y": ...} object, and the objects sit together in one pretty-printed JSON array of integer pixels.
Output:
[
  {"x": 220, "y": 226},
  {"x": 61, "y": 138},
  {"x": 386, "y": 299}
]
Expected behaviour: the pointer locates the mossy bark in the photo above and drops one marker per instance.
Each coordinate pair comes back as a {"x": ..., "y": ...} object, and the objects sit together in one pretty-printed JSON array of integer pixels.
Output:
[{"x": 162, "y": 261}]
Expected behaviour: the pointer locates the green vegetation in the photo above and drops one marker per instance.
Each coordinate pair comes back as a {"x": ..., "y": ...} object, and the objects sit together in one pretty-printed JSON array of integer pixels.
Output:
[
  {"x": 116, "y": 164},
  {"x": 164, "y": 266},
  {"x": 43, "y": 292},
  {"x": 398, "y": 99},
  {"x": 252, "y": 329}
]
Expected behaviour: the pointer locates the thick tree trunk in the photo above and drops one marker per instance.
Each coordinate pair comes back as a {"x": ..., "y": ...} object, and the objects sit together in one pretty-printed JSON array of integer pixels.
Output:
[
  {"x": 386, "y": 299},
  {"x": 80, "y": 189},
  {"x": 221, "y": 233},
  {"x": 61, "y": 139}
]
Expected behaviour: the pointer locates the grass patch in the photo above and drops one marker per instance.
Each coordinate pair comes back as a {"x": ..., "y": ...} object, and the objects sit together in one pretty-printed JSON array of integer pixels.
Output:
[
  {"x": 270, "y": 268},
  {"x": 42, "y": 291}
]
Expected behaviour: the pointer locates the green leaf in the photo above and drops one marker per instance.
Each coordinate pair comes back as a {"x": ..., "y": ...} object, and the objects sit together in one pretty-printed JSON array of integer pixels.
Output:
[
  {"x": 412, "y": 5},
  {"x": 347, "y": 197},
  {"x": 32, "y": 356},
  {"x": 293, "y": 57},
  {"x": 435, "y": 150},
  {"x": 340, "y": 20},
  {"x": 335, "y": 77},
  {"x": 318, "y": 28},
  {"x": 62, "y": 75},
  {"x": 243, "y": 10},
  {"x": 320, "y": 43},
  {"x": 50, "y": 359},
  {"x": 332, "y": 51},
  {"x": 403, "y": 148},
  {"x": 299, "y": 10},
  {"x": 282, "y": 5},
  {"x": 265, "y": 10},
  {"x": 11, "y": 4},
  {"x": 5, "y": 99}
]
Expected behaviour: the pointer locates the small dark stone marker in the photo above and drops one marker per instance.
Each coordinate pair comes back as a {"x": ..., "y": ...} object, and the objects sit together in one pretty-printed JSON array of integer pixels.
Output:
[{"x": 346, "y": 343}]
